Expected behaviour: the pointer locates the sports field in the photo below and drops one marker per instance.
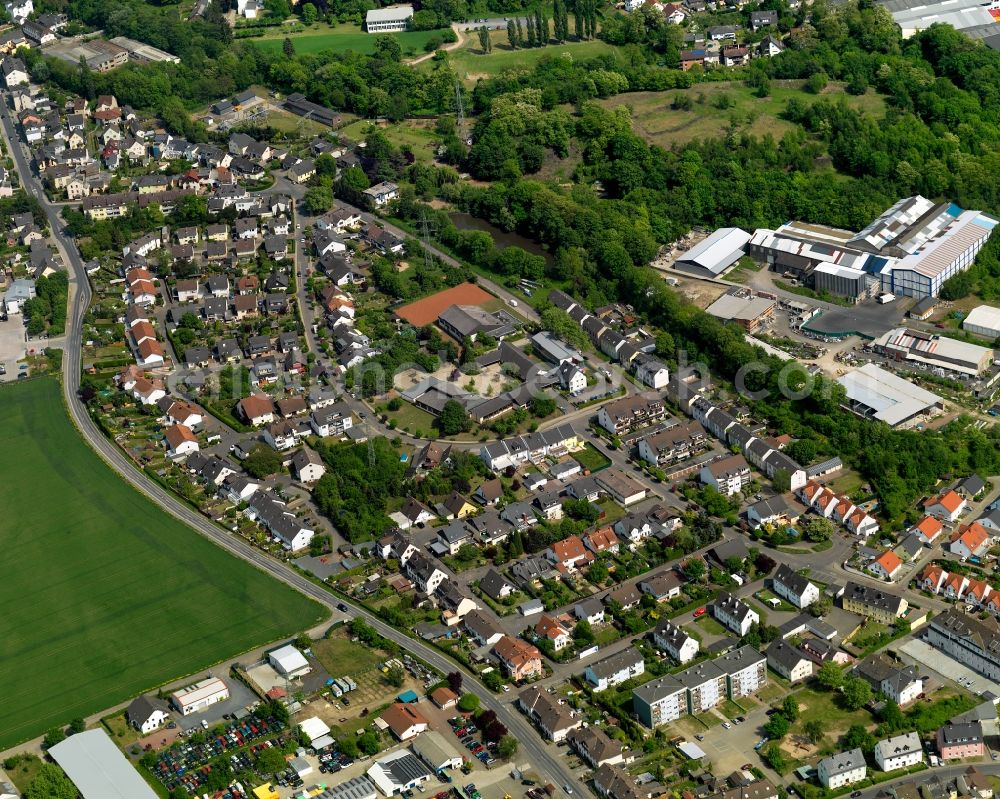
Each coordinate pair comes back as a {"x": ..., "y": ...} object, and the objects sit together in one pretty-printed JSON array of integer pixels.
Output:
[
  {"x": 426, "y": 311},
  {"x": 103, "y": 594}
]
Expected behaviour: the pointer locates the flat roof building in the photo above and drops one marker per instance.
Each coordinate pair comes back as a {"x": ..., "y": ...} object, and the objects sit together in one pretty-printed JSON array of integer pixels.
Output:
[
  {"x": 289, "y": 662},
  {"x": 98, "y": 768},
  {"x": 916, "y": 346},
  {"x": 197, "y": 697},
  {"x": 983, "y": 320},
  {"x": 911, "y": 248},
  {"x": 742, "y": 307},
  {"x": 877, "y": 394},
  {"x": 715, "y": 254}
]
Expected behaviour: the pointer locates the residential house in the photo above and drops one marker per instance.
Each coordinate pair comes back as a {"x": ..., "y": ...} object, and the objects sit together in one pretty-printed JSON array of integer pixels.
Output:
[
  {"x": 961, "y": 741},
  {"x": 873, "y": 603},
  {"x": 554, "y": 720},
  {"x": 728, "y": 476},
  {"x": 677, "y": 643},
  {"x": 147, "y": 713},
  {"x": 788, "y": 661},
  {"x": 630, "y": 413},
  {"x": 947, "y": 507},
  {"x": 663, "y": 586},
  {"x": 496, "y": 586},
  {"x": 549, "y": 629},
  {"x": 597, "y": 749},
  {"x": 900, "y": 683},
  {"x": 404, "y": 720},
  {"x": 308, "y": 465},
  {"x": 886, "y": 566},
  {"x": 734, "y": 614},
  {"x": 970, "y": 540},
  {"x": 928, "y": 529},
  {"x": 615, "y": 669},
  {"x": 793, "y": 587},
  {"x": 844, "y": 768},
  {"x": 589, "y": 610},
  {"x": 569, "y": 554},
  {"x": 520, "y": 660},
  {"x": 900, "y": 751}
]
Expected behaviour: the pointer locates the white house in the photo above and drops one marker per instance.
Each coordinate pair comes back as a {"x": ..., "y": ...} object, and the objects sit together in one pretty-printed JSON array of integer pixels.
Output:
[
  {"x": 308, "y": 466},
  {"x": 571, "y": 378},
  {"x": 795, "y": 588},
  {"x": 616, "y": 669},
  {"x": 947, "y": 507},
  {"x": 675, "y": 642},
  {"x": 728, "y": 476},
  {"x": 900, "y": 751},
  {"x": 146, "y": 713},
  {"x": 733, "y": 614},
  {"x": 788, "y": 661},
  {"x": 842, "y": 769},
  {"x": 180, "y": 441}
]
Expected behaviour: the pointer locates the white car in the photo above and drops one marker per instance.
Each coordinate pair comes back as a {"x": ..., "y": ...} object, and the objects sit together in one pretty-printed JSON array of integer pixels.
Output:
[
  {"x": 726, "y": 725},
  {"x": 506, "y": 688}
]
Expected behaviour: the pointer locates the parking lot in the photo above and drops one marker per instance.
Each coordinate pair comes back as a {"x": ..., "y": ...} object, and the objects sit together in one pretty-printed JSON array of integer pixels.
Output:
[
  {"x": 12, "y": 345},
  {"x": 946, "y": 668}
]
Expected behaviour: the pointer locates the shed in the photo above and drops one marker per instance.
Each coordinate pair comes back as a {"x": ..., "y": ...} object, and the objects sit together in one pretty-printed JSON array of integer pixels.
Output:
[
  {"x": 408, "y": 697},
  {"x": 691, "y": 751}
]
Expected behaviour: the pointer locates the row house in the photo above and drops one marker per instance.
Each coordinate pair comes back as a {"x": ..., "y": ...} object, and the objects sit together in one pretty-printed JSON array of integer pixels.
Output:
[
  {"x": 630, "y": 413},
  {"x": 673, "y": 444}
]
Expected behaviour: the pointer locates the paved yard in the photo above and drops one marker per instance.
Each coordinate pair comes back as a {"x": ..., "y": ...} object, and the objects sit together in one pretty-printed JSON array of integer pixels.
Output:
[
  {"x": 12, "y": 345},
  {"x": 924, "y": 655},
  {"x": 239, "y": 697}
]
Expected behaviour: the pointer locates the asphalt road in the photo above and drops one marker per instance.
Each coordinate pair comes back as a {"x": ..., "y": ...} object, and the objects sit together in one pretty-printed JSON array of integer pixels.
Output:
[{"x": 543, "y": 757}]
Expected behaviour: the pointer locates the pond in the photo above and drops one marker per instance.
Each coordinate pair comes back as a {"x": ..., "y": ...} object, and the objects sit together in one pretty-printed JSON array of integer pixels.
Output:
[{"x": 502, "y": 238}]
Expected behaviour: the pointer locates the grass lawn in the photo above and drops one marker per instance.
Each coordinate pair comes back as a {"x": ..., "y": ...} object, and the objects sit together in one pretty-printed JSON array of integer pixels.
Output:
[
  {"x": 411, "y": 418},
  {"x": 470, "y": 64},
  {"x": 417, "y": 134},
  {"x": 591, "y": 458},
  {"x": 821, "y": 705},
  {"x": 106, "y": 595},
  {"x": 339, "y": 654},
  {"x": 710, "y": 625},
  {"x": 342, "y": 38},
  {"x": 847, "y": 483},
  {"x": 655, "y": 120}
]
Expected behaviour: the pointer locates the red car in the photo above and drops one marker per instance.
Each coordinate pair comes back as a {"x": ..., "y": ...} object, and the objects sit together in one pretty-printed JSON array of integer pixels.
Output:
[{"x": 699, "y": 613}]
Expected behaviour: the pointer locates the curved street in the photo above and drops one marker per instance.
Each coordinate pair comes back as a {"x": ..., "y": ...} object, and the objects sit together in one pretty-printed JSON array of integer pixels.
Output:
[{"x": 542, "y": 756}]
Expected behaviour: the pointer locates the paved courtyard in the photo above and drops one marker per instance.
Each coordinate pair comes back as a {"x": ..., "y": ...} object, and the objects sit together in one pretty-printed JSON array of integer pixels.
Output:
[
  {"x": 12, "y": 345},
  {"x": 924, "y": 655}
]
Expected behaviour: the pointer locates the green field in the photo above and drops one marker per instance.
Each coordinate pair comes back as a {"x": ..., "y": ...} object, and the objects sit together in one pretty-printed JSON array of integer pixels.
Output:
[
  {"x": 104, "y": 594},
  {"x": 411, "y": 42},
  {"x": 470, "y": 64},
  {"x": 715, "y": 105}
]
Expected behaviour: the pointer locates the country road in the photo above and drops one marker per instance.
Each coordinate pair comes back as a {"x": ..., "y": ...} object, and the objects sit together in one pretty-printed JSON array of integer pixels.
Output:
[{"x": 543, "y": 757}]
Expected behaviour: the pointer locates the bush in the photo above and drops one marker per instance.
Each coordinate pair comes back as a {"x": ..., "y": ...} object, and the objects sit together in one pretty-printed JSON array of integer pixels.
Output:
[{"x": 469, "y": 703}]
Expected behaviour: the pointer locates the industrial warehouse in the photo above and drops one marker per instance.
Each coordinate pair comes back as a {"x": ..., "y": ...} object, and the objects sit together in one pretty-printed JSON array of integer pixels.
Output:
[
  {"x": 910, "y": 250},
  {"x": 904, "y": 344},
  {"x": 877, "y": 394}
]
